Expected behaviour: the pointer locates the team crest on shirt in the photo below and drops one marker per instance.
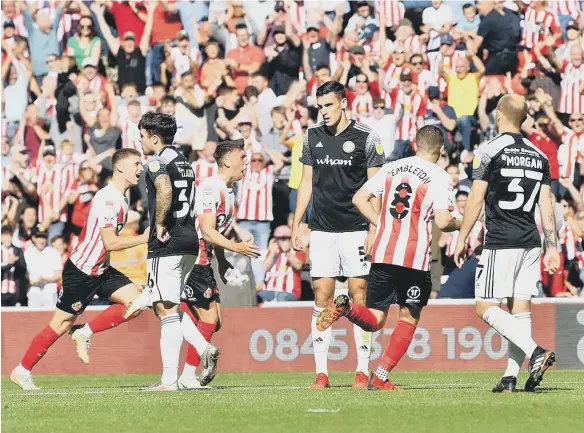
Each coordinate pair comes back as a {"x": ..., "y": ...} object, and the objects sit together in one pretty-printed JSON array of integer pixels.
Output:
[
  {"x": 77, "y": 306},
  {"x": 476, "y": 162},
  {"x": 154, "y": 166},
  {"x": 348, "y": 146}
]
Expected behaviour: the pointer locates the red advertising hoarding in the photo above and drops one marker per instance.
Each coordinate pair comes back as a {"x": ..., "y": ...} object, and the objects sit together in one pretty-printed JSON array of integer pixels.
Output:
[{"x": 449, "y": 337}]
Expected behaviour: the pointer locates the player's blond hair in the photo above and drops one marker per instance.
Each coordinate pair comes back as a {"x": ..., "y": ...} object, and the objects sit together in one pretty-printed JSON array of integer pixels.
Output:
[{"x": 513, "y": 108}]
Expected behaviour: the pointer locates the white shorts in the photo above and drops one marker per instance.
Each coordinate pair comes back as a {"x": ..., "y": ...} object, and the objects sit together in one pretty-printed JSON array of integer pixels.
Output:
[
  {"x": 508, "y": 273},
  {"x": 338, "y": 254},
  {"x": 168, "y": 275}
]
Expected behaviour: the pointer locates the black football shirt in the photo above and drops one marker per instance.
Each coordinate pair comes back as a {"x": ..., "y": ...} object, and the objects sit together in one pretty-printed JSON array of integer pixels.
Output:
[
  {"x": 180, "y": 220},
  {"x": 515, "y": 170},
  {"x": 339, "y": 168}
]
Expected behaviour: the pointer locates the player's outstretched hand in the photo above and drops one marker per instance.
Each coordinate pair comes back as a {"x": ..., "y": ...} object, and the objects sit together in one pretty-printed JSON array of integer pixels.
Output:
[
  {"x": 551, "y": 261},
  {"x": 460, "y": 254},
  {"x": 247, "y": 249},
  {"x": 297, "y": 238},
  {"x": 162, "y": 234}
]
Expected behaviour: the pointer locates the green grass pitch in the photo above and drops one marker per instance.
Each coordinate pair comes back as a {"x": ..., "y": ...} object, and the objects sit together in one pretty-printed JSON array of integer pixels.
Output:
[{"x": 434, "y": 402}]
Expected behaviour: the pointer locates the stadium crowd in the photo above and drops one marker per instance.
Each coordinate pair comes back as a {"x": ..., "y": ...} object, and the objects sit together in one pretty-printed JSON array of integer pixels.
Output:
[{"x": 76, "y": 78}]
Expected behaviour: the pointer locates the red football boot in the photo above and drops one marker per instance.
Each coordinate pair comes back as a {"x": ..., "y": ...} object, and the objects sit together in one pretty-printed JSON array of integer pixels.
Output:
[
  {"x": 321, "y": 382},
  {"x": 376, "y": 384},
  {"x": 332, "y": 313},
  {"x": 361, "y": 381}
]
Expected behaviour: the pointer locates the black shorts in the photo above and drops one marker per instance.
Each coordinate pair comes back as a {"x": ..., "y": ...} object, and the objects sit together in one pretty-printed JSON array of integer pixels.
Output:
[
  {"x": 391, "y": 284},
  {"x": 201, "y": 288},
  {"x": 79, "y": 289}
]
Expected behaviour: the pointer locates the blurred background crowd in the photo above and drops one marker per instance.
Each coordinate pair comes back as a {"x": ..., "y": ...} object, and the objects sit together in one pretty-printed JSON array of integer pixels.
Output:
[{"x": 77, "y": 76}]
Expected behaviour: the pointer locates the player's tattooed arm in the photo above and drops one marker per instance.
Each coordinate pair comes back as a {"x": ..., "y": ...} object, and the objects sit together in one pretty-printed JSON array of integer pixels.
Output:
[
  {"x": 548, "y": 219},
  {"x": 163, "y": 198}
]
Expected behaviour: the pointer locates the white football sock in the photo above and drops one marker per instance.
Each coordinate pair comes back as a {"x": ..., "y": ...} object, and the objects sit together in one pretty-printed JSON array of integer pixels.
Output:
[
  {"x": 189, "y": 371},
  {"x": 192, "y": 334},
  {"x": 320, "y": 343},
  {"x": 86, "y": 331},
  {"x": 21, "y": 370},
  {"x": 516, "y": 355},
  {"x": 511, "y": 328},
  {"x": 363, "y": 346},
  {"x": 171, "y": 338}
]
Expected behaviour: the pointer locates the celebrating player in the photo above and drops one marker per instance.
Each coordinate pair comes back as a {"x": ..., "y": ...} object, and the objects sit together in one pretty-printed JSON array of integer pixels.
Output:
[
  {"x": 510, "y": 176},
  {"x": 339, "y": 155},
  {"x": 414, "y": 192},
  {"x": 172, "y": 247},
  {"x": 88, "y": 272},
  {"x": 215, "y": 210}
]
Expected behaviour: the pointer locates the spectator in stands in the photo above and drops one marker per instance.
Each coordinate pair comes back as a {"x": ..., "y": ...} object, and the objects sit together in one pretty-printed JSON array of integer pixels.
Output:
[
  {"x": 132, "y": 262},
  {"x": 460, "y": 283},
  {"x": 42, "y": 36},
  {"x": 317, "y": 50},
  {"x": 463, "y": 92},
  {"x": 385, "y": 125},
  {"x": 442, "y": 115},
  {"x": 470, "y": 24},
  {"x": 282, "y": 266},
  {"x": 410, "y": 109},
  {"x": 26, "y": 225},
  {"x": 361, "y": 20},
  {"x": 44, "y": 271},
  {"x": 499, "y": 34},
  {"x": 13, "y": 269},
  {"x": 214, "y": 67},
  {"x": 85, "y": 44},
  {"x": 16, "y": 73},
  {"x": 204, "y": 164},
  {"x": 437, "y": 21},
  {"x": 102, "y": 139},
  {"x": 131, "y": 62},
  {"x": 283, "y": 59},
  {"x": 266, "y": 101},
  {"x": 245, "y": 59},
  {"x": 79, "y": 198},
  {"x": 255, "y": 212}
]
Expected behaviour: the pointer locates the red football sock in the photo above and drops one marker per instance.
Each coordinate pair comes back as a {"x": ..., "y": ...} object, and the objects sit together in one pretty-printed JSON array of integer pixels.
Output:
[
  {"x": 363, "y": 317},
  {"x": 399, "y": 342},
  {"x": 108, "y": 318},
  {"x": 38, "y": 347}
]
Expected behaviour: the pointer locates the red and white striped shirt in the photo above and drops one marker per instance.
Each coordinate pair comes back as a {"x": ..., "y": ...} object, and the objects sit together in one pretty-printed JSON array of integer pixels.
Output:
[
  {"x": 571, "y": 101},
  {"x": 414, "y": 108},
  {"x": 391, "y": 78},
  {"x": 362, "y": 106},
  {"x": 568, "y": 241},
  {"x": 255, "y": 195},
  {"x": 567, "y": 7},
  {"x": 8, "y": 280},
  {"x": 570, "y": 152},
  {"x": 53, "y": 185},
  {"x": 109, "y": 208},
  {"x": 215, "y": 197},
  {"x": 282, "y": 277},
  {"x": 412, "y": 189},
  {"x": 538, "y": 25},
  {"x": 413, "y": 45},
  {"x": 203, "y": 170},
  {"x": 72, "y": 162},
  {"x": 7, "y": 174},
  {"x": 131, "y": 135},
  {"x": 97, "y": 85},
  {"x": 392, "y": 10}
]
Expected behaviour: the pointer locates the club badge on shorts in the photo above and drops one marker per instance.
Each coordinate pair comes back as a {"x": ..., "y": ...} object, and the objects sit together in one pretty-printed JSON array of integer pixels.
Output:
[
  {"x": 77, "y": 306},
  {"x": 348, "y": 146}
]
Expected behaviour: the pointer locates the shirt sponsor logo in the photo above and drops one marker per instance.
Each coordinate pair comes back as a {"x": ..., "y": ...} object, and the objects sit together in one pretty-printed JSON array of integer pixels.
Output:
[{"x": 329, "y": 161}]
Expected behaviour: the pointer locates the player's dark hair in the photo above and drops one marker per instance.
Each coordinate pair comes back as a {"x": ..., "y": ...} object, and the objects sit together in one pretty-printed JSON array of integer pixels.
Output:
[
  {"x": 429, "y": 139},
  {"x": 162, "y": 125},
  {"x": 225, "y": 148},
  {"x": 332, "y": 87},
  {"x": 123, "y": 154}
]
